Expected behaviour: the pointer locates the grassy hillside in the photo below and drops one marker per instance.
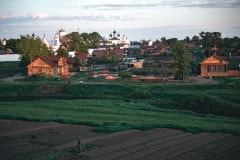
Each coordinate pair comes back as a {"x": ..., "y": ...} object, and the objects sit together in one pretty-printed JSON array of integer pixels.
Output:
[
  {"x": 120, "y": 106},
  {"x": 10, "y": 68},
  {"x": 115, "y": 115}
]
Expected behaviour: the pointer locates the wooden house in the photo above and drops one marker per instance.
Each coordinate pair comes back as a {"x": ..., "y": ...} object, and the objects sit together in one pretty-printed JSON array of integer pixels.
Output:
[
  {"x": 48, "y": 65},
  {"x": 214, "y": 66}
]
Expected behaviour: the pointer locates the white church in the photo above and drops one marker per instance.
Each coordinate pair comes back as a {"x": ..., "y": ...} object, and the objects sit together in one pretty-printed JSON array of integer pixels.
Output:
[
  {"x": 57, "y": 40},
  {"x": 116, "y": 39}
]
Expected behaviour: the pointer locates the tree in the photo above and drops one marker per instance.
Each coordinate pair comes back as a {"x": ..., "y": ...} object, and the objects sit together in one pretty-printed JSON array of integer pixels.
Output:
[
  {"x": 12, "y": 44},
  {"x": 75, "y": 44},
  {"x": 82, "y": 42},
  {"x": 196, "y": 40},
  {"x": 105, "y": 58},
  {"x": 30, "y": 47},
  {"x": 187, "y": 39},
  {"x": 62, "y": 51},
  {"x": 210, "y": 39},
  {"x": 95, "y": 38},
  {"x": 181, "y": 61},
  {"x": 164, "y": 40}
]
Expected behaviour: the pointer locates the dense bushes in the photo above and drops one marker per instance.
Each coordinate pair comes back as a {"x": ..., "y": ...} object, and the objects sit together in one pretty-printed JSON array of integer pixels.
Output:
[
  {"x": 210, "y": 105},
  {"x": 125, "y": 74},
  {"x": 140, "y": 94},
  {"x": 225, "y": 100}
]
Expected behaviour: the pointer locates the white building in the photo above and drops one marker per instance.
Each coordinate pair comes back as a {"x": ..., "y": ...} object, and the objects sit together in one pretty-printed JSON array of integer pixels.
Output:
[
  {"x": 57, "y": 39},
  {"x": 116, "y": 39},
  {"x": 45, "y": 41}
]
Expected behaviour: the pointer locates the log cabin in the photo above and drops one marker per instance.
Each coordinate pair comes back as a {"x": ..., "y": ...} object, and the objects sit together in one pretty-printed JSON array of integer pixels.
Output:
[{"x": 48, "y": 65}]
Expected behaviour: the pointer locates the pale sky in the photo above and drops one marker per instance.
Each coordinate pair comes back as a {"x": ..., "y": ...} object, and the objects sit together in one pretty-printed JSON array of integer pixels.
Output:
[{"x": 137, "y": 19}]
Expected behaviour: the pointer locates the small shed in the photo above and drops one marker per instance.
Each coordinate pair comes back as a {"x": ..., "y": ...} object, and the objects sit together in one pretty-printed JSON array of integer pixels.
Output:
[{"x": 214, "y": 66}]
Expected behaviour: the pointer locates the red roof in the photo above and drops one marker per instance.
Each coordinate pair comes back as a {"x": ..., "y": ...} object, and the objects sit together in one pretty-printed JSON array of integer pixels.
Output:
[
  {"x": 51, "y": 60},
  {"x": 70, "y": 60},
  {"x": 98, "y": 53},
  {"x": 82, "y": 56},
  {"x": 117, "y": 51}
]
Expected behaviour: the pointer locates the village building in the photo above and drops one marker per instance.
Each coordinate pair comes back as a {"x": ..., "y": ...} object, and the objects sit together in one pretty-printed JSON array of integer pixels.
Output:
[
  {"x": 48, "y": 65},
  {"x": 214, "y": 66},
  {"x": 45, "y": 41},
  {"x": 115, "y": 39},
  {"x": 59, "y": 39}
]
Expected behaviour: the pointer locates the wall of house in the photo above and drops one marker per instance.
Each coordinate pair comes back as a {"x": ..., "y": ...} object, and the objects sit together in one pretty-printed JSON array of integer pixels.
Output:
[
  {"x": 40, "y": 67},
  {"x": 204, "y": 71},
  {"x": 233, "y": 73},
  {"x": 40, "y": 70}
]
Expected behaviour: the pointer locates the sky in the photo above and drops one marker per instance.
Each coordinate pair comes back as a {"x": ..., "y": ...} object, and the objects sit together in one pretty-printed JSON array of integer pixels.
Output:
[{"x": 137, "y": 19}]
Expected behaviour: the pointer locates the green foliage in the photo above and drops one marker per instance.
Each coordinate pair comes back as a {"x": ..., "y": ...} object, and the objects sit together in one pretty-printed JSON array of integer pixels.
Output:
[
  {"x": 125, "y": 74},
  {"x": 210, "y": 105},
  {"x": 9, "y": 69},
  {"x": 82, "y": 42},
  {"x": 181, "y": 61},
  {"x": 140, "y": 94},
  {"x": 62, "y": 52},
  {"x": 114, "y": 115},
  {"x": 31, "y": 47},
  {"x": 12, "y": 44}
]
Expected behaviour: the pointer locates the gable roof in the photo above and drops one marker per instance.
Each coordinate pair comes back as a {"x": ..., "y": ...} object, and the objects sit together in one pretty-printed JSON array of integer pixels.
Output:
[
  {"x": 98, "y": 53},
  {"x": 117, "y": 51},
  {"x": 214, "y": 60},
  {"x": 82, "y": 56},
  {"x": 50, "y": 60}
]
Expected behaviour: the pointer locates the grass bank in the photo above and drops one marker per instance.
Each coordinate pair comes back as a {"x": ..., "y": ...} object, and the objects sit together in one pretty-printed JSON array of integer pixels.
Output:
[
  {"x": 119, "y": 106},
  {"x": 115, "y": 115}
]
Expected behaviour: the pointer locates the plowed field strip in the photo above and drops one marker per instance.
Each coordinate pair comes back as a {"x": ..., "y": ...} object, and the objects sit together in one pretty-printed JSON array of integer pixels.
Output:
[
  {"x": 92, "y": 139},
  {"x": 181, "y": 148},
  {"x": 202, "y": 151},
  {"x": 126, "y": 137},
  {"x": 233, "y": 154},
  {"x": 160, "y": 146},
  {"x": 139, "y": 146},
  {"x": 23, "y": 131},
  {"x": 225, "y": 148},
  {"x": 131, "y": 142}
]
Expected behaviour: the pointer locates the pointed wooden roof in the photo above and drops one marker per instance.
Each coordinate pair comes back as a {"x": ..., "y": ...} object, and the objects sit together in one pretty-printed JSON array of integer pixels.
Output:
[
  {"x": 214, "y": 60},
  {"x": 50, "y": 60}
]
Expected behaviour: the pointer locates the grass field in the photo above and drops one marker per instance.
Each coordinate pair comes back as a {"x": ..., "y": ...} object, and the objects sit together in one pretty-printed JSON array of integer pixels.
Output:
[
  {"x": 115, "y": 115},
  {"x": 115, "y": 106}
]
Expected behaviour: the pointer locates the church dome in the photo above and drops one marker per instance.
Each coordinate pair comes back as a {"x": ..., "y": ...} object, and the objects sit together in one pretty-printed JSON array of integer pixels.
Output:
[
  {"x": 62, "y": 30},
  {"x": 62, "y": 33}
]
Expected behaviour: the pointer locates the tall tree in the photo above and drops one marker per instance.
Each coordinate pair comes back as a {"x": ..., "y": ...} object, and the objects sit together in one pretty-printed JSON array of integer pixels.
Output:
[
  {"x": 181, "y": 61},
  {"x": 196, "y": 40},
  {"x": 30, "y": 47},
  {"x": 82, "y": 42},
  {"x": 12, "y": 44}
]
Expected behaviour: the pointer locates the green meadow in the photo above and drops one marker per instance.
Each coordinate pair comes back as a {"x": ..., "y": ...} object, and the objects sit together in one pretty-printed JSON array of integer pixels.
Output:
[{"x": 119, "y": 106}]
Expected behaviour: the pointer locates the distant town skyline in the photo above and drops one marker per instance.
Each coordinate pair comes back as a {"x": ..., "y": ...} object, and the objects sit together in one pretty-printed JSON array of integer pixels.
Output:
[{"x": 145, "y": 19}]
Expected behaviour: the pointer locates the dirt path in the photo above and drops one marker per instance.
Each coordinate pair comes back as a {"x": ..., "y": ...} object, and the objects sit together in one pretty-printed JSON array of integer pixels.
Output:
[{"x": 29, "y": 140}]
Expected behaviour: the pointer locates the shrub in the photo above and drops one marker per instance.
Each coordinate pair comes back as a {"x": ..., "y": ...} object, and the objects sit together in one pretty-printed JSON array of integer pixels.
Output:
[
  {"x": 140, "y": 94},
  {"x": 210, "y": 105},
  {"x": 125, "y": 74}
]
